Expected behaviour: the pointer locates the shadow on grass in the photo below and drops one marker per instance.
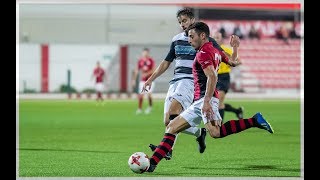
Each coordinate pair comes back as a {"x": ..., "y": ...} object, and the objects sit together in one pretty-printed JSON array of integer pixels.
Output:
[
  {"x": 214, "y": 173},
  {"x": 67, "y": 150},
  {"x": 250, "y": 167}
]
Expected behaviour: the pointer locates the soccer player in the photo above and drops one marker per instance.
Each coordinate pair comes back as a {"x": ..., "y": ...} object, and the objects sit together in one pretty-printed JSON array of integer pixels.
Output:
[
  {"x": 206, "y": 102},
  {"x": 99, "y": 75},
  {"x": 145, "y": 67},
  {"x": 223, "y": 83},
  {"x": 181, "y": 87}
]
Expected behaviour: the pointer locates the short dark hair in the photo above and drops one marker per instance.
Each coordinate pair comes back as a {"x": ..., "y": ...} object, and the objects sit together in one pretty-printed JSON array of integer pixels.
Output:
[
  {"x": 146, "y": 49},
  {"x": 199, "y": 27},
  {"x": 186, "y": 12}
]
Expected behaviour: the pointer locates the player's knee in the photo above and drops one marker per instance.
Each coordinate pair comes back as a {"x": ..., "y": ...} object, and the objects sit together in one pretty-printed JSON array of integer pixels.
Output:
[
  {"x": 213, "y": 133},
  {"x": 175, "y": 108},
  {"x": 171, "y": 129},
  {"x": 173, "y": 111}
]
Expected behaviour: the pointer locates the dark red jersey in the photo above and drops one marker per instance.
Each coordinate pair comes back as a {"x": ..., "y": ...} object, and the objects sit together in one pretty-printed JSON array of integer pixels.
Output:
[
  {"x": 99, "y": 74},
  {"x": 206, "y": 55},
  {"x": 145, "y": 65}
]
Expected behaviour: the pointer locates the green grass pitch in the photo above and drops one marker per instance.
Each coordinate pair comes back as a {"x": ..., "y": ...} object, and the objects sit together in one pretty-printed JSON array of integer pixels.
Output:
[{"x": 70, "y": 138}]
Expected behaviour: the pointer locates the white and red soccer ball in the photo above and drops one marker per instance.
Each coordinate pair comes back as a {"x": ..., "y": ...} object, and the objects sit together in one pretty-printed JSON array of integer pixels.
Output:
[{"x": 139, "y": 162}]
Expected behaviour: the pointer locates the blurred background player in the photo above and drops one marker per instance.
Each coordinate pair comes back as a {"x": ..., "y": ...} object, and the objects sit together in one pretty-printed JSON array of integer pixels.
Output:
[
  {"x": 100, "y": 76},
  {"x": 223, "y": 83},
  {"x": 145, "y": 67}
]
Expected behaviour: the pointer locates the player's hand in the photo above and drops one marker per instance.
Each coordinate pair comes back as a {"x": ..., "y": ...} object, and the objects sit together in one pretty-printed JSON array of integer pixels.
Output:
[
  {"x": 146, "y": 86},
  {"x": 217, "y": 123},
  {"x": 234, "y": 41},
  {"x": 207, "y": 111}
]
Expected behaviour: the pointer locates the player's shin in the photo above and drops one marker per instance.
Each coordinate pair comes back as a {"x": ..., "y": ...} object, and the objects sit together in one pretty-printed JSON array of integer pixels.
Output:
[
  {"x": 236, "y": 126},
  {"x": 163, "y": 148}
]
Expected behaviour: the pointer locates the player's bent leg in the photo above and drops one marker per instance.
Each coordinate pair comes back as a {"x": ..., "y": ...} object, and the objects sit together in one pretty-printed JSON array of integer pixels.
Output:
[
  {"x": 177, "y": 125},
  {"x": 236, "y": 126},
  {"x": 214, "y": 131},
  {"x": 174, "y": 110}
]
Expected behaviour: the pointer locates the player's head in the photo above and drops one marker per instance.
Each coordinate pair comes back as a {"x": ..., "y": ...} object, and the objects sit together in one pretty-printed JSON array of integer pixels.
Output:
[
  {"x": 98, "y": 63},
  {"x": 185, "y": 18},
  {"x": 198, "y": 34},
  {"x": 218, "y": 37},
  {"x": 145, "y": 52}
]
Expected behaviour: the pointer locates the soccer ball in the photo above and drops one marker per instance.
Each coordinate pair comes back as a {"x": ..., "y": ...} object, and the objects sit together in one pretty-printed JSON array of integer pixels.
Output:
[{"x": 139, "y": 162}]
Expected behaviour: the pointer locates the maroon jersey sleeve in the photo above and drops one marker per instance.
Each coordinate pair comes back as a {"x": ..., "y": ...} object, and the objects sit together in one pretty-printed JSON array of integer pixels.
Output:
[{"x": 204, "y": 59}]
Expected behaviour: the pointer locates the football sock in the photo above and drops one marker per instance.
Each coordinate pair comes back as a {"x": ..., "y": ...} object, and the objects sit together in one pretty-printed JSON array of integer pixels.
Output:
[
  {"x": 228, "y": 107},
  {"x": 171, "y": 117},
  {"x": 221, "y": 112},
  {"x": 236, "y": 126},
  {"x": 163, "y": 148}
]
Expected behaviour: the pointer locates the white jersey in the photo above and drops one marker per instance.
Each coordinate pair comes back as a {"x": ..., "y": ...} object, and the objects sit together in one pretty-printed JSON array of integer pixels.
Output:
[{"x": 183, "y": 53}]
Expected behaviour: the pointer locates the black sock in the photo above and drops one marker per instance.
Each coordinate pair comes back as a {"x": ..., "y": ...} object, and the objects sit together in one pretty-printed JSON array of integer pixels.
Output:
[
  {"x": 228, "y": 107},
  {"x": 221, "y": 112},
  {"x": 171, "y": 117}
]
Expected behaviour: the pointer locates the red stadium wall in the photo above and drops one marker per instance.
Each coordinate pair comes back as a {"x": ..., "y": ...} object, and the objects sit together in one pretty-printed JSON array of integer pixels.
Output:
[{"x": 267, "y": 28}]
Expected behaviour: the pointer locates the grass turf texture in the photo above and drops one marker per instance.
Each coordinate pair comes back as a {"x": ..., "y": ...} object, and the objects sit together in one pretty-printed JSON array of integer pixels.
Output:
[{"x": 70, "y": 138}]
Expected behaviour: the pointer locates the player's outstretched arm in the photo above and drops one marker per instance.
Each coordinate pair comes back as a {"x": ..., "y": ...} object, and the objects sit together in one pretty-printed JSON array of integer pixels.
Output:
[
  {"x": 163, "y": 66},
  {"x": 234, "y": 43},
  {"x": 212, "y": 79}
]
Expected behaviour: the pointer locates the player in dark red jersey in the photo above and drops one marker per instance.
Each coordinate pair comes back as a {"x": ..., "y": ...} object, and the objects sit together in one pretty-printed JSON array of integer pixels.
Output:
[
  {"x": 205, "y": 106},
  {"x": 145, "y": 66},
  {"x": 99, "y": 75}
]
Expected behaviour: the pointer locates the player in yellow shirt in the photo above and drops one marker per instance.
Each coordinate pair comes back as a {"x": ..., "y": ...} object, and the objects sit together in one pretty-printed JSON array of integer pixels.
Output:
[{"x": 223, "y": 83}]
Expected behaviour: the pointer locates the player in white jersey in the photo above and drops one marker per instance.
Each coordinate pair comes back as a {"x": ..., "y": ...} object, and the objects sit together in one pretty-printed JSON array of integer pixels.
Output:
[{"x": 181, "y": 88}]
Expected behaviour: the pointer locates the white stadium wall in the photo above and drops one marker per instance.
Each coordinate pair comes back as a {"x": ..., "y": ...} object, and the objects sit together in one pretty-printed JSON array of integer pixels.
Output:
[
  {"x": 80, "y": 59},
  {"x": 29, "y": 67},
  {"x": 97, "y": 23}
]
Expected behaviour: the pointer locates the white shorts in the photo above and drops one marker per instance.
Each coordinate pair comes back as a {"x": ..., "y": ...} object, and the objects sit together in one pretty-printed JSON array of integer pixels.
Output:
[
  {"x": 141, "y": 83},
  {"x": 182, "y": 91},
  {"x": 99, "y": 87},
  {"x": 194, "y": 114}
]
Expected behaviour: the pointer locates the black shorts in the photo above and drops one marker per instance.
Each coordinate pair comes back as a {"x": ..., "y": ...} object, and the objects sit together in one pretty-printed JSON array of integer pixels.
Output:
[{"x": 223, "y": 83}]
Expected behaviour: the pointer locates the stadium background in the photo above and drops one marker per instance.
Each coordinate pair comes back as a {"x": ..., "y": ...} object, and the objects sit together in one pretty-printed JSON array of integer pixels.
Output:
[
  {"x": 55, "y": 39},
  {"x": 73, "y": 138}
]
